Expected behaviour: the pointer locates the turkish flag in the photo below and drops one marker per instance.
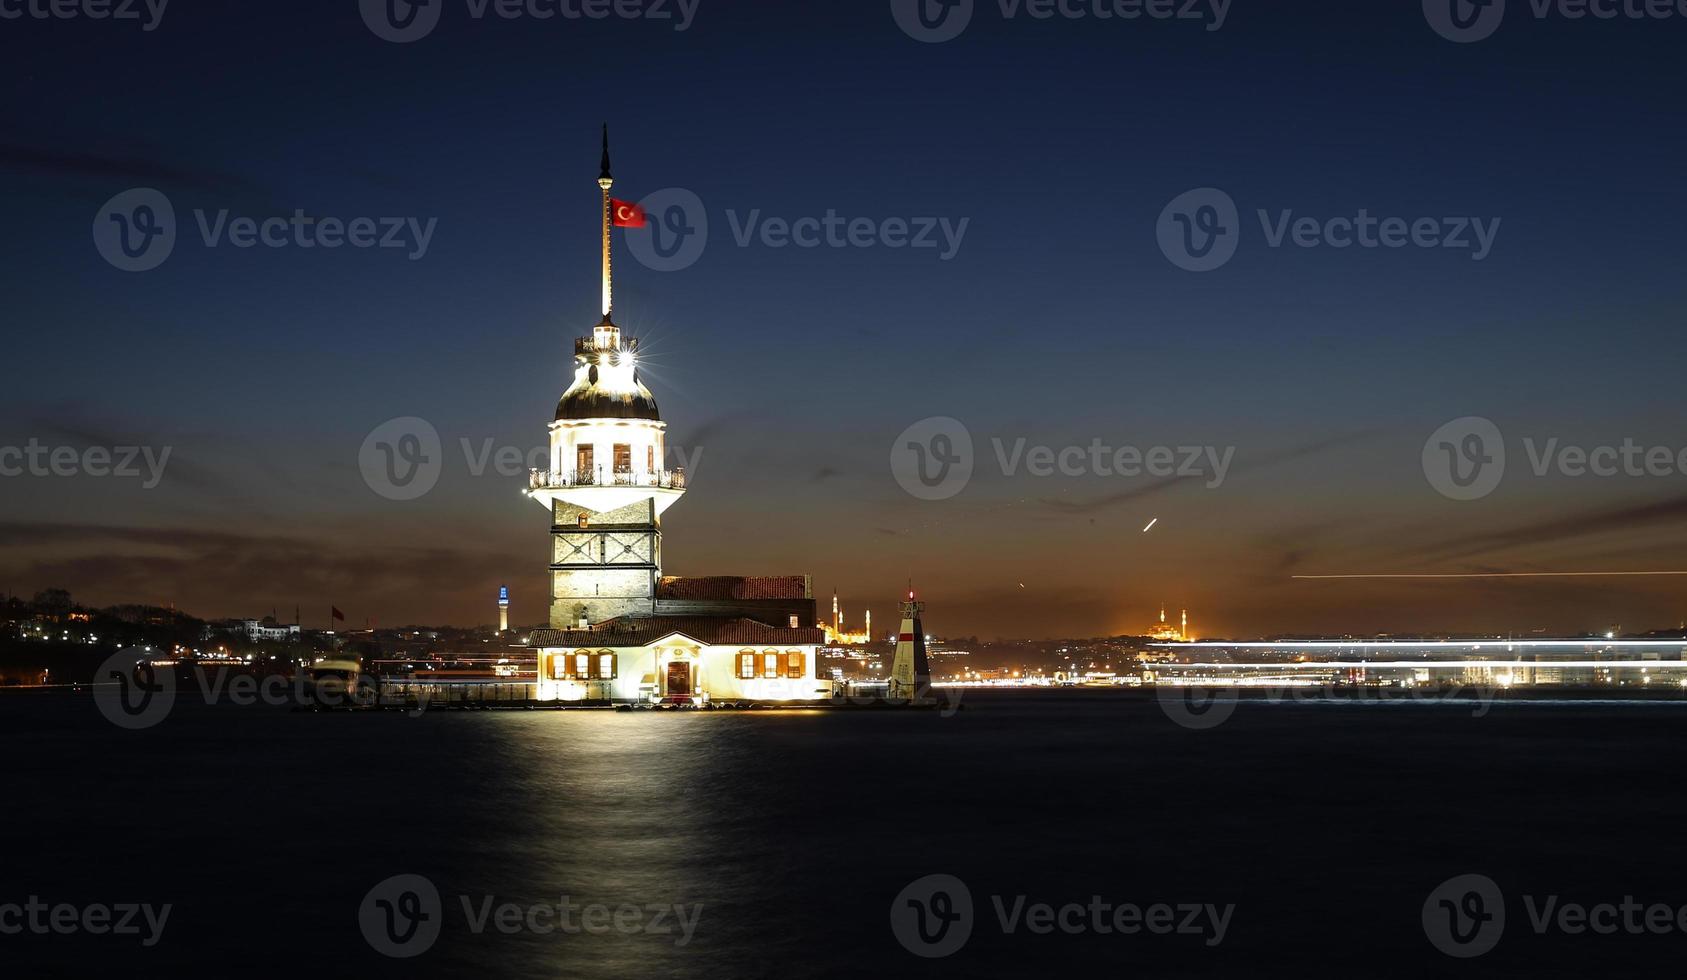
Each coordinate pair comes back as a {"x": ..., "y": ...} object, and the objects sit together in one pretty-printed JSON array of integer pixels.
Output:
[
  {"x": 626, "y": 214},
  {"x": 336, "y": 613}
]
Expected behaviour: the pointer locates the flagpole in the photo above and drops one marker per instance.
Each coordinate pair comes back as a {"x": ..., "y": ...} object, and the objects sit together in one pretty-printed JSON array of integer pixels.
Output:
[{"x": 605, "y": 182}]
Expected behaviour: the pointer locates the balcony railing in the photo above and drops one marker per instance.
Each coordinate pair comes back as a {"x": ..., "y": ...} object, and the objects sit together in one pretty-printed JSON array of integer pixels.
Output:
[
  {"x": 658, "y": 479},
  {"x": 589, "y": 345}
]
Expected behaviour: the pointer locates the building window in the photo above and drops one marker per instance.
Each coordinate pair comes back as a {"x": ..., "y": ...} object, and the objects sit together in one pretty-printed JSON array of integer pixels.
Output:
[
  {"x": 605, "y": 666},
  {"x": 559, "y": 667},
  {"x": 793, "y": 622},
  {"x": 650, "y": 459},
  {"x": 746, "y": 664},
  {"x": 770, "y": 663},
  {"x": 582, "y": 666},
  {"x": 794, "y": 664},
  {"x": 583, "y": 465},
  {"x": 623, "y": 458}
]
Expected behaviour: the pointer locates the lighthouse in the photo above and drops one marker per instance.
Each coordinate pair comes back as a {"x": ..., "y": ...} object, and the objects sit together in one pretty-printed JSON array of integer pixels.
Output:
[
  {"x": 910, "y": 674},
  {"x": 605, "y": 487},
  {"x": 620, "y": 631}
]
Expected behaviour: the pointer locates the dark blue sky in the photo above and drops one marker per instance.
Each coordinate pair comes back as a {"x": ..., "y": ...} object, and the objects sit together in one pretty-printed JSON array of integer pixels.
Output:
[{"x": 1058, "y": 320}]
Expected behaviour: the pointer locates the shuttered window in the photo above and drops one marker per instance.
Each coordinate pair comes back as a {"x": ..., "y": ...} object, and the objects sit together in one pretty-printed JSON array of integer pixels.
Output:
[
  {"x": 606, "y": 666},
  {"x": 770, "y": 663},
  {"x": 746, "y": 665},
  {"x": 794, "y": 664}
]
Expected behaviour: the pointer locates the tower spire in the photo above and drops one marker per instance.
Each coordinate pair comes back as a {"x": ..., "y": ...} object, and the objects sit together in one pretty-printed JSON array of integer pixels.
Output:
[{"x": 605, "y": 181}]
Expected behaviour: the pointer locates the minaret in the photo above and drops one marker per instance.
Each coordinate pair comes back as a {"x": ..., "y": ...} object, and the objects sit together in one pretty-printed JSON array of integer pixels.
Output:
[
  {"x": 1183, "y": 631},
  {"x": 910, "y": 675},
  {"x": 869, "y": 626},
  {"x": 606, "y": 486}
]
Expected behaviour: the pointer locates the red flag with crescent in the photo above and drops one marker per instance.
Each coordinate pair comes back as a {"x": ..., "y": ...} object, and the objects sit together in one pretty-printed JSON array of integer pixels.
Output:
[{"x": 626, "y": 214}]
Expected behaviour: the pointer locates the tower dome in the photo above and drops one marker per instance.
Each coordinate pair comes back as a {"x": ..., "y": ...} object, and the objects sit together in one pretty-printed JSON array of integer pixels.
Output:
[{"x": 606, "y": 382}]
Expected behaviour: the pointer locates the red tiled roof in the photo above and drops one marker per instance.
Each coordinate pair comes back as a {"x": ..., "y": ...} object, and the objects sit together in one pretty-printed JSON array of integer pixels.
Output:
[
  {"x": 710, "y": 630},
  {"x": 734, "y": 587}
]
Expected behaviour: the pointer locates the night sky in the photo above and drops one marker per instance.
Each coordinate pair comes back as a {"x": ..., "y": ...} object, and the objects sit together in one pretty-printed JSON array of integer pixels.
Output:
[{"x": 1057, "y": 320}]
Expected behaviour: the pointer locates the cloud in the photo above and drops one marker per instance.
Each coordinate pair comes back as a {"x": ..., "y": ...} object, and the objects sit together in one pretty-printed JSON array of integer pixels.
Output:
[{"x": 1581, "y": 524}]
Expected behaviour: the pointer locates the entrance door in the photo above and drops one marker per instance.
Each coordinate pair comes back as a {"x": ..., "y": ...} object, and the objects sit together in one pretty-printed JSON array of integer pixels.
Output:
[{"x": 679, "y": 678}]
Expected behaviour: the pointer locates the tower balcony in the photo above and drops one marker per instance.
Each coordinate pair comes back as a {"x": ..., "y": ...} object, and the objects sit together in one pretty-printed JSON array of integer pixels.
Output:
[
  {"x": 597, "y": 345},
  {"x": 651, "y": 479}
]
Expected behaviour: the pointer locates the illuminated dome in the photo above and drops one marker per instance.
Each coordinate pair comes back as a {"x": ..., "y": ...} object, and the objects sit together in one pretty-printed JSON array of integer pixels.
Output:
[
  {"x": 591, "y": 401},
  {"x": 606, "y": 383}
]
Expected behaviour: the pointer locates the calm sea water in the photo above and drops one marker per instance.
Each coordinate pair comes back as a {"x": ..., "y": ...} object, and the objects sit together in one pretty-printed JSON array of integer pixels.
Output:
[{"x": 792, "y": 833}]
